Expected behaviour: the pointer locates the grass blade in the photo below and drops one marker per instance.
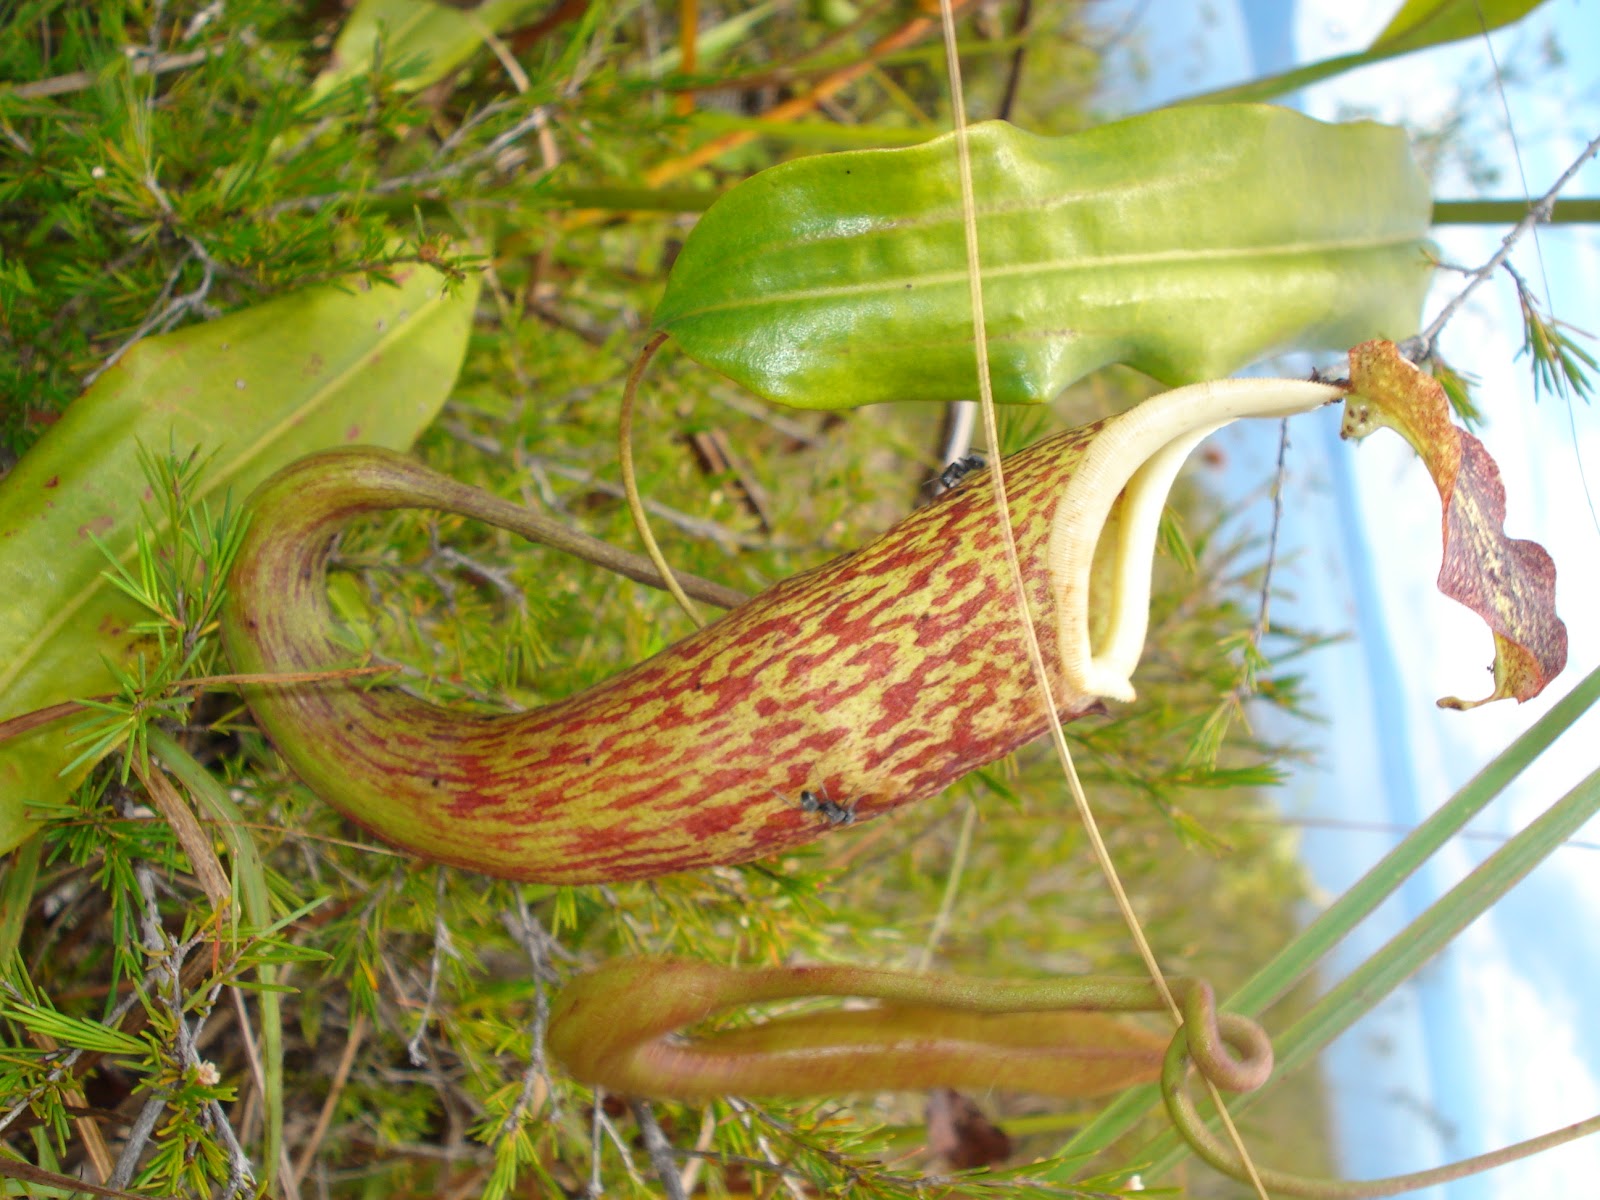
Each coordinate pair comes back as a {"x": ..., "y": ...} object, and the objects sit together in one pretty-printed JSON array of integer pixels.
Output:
[
  {"x": 1279, "y": 975},
  {"x": 1410, "y": 949}
]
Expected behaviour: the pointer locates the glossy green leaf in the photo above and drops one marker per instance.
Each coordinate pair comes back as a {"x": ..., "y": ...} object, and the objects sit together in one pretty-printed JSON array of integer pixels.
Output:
[
  {"x": 1418, "y": 25},
  {"x": 423, "y": 39},
  {"x": 1185, "y": 243},
  {"x": 261, "y": 388}
]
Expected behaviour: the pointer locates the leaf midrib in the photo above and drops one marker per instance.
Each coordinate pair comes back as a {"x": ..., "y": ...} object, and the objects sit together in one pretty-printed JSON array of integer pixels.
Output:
[{"x": 958, "y": 276}]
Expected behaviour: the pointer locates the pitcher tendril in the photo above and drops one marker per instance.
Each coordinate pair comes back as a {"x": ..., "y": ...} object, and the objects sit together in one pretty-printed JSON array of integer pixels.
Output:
[{"x": 630, "y": 479}]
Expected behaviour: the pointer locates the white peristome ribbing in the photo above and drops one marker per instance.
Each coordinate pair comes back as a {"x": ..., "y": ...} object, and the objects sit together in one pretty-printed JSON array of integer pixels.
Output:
[{"x": 1141, "y": 452}]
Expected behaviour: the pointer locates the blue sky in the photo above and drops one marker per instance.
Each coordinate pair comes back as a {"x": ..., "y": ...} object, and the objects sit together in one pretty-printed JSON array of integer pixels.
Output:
[
  {"x": 1493, "y": 1043},
  {"x": 1516, "y": 987}
]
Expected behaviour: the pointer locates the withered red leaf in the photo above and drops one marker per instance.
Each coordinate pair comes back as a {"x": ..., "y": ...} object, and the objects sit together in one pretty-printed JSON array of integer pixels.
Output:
[{"x": 1509, "y": 582}]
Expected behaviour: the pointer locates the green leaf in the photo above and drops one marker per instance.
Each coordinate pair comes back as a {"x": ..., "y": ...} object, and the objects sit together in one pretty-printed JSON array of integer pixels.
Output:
[
  {"x": 423, "y": 39},
  {"x": 18, "y": 877},
  {"x": 1423, "y": 23},
  {"x": 1185, "y": 243},
  {"x": 263, "y": 387},
  {"x": 1418, "y": 25}
]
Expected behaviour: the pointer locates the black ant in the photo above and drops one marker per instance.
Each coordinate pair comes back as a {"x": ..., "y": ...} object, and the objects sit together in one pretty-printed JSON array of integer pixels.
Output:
[
  {"x": 835, "y": 814},
  {"x": 960, "y": 469}
]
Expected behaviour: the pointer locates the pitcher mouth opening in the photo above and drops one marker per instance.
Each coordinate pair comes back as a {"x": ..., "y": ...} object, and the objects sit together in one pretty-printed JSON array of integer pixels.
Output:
[{"x": 1103, "y": 533}]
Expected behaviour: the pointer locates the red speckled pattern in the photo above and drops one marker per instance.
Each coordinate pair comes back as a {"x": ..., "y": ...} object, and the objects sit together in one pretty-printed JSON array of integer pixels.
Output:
[{"x": 880, "y": 676}]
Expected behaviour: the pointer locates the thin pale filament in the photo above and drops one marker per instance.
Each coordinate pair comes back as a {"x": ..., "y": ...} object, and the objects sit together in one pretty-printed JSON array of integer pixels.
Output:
[
  {"x": 630, "y": 480},
  {"x": 1018, "y": 590}
]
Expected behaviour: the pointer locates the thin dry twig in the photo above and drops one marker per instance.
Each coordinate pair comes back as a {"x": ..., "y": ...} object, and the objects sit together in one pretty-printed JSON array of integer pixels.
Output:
[
  {"x": 617, "y": 1140},
  {"x": 537, "y": 1086},
  {"x": 1264, "y": 612},
  {"x": 252, "y": 1055},
  {"x": 715, "y": 453},
  {"x": 28, "y": 1173},
  {"x": 167, "y": 310},
  {"x": 659, "y": 1150},
  {"x": 699, "y": 527},
  {"x": 94, "y": 1143},
  {"x": 689, "y": 1175},
  {"x": 194, "y": 840},
  {"x": 535, "y": 120},
  {"x": 596, "y": 1188},
  {"x": 166, "y": 972},
  {"x": 140, "y": 64},
  {"x": 1019, "y": 29},
  {"x": 909, "y": 34},
  {"x": 129, "y": 1004},
  {"x": 768, "y": 416},
  {"x": 1419, "y": 348},
  {"x": 341, "y": 1076},
  {"x": 443, "y": 946},
  {"x": 138, "y": 1135}
]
